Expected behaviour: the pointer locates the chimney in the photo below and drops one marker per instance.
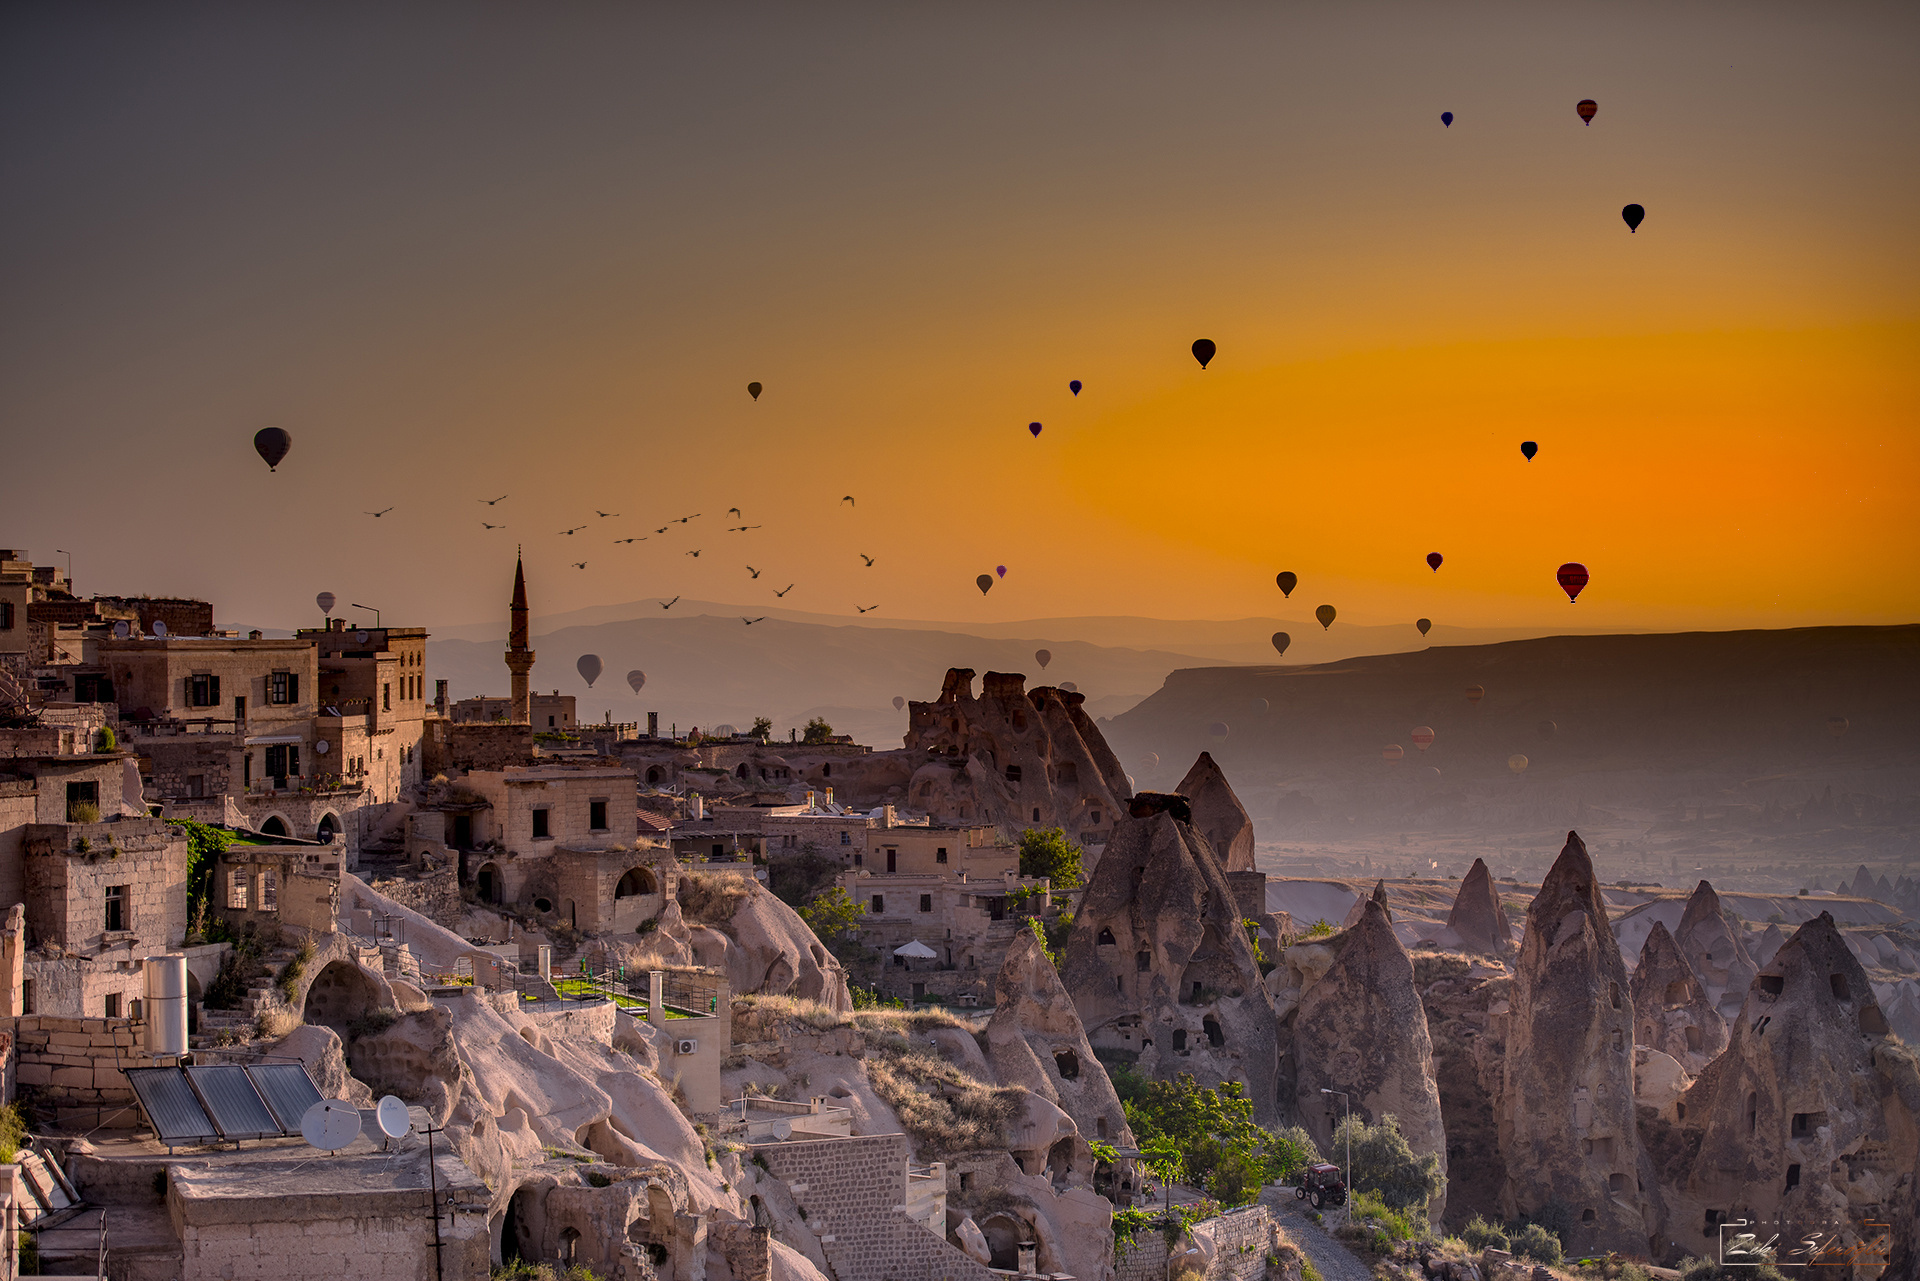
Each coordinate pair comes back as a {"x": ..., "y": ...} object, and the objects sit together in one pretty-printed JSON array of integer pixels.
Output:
[
  {"x": 696, "y": 808},
  {"x": 809, "y": 798},
  {"x": 829, "y": 796},
  {"x": 440, "y": 697},
  {"x": 338, "y": 624}
]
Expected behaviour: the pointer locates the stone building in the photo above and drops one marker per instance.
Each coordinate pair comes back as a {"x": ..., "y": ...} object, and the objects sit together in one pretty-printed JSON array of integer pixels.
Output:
[{"x": 376, "y": 676}]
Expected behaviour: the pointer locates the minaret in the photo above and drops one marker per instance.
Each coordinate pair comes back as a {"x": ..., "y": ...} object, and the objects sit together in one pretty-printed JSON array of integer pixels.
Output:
[{"x": 519, "y": 657}]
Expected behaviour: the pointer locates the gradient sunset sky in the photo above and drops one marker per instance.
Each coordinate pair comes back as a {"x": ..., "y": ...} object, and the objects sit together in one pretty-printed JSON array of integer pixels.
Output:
[{"x": 460, "y": 250}]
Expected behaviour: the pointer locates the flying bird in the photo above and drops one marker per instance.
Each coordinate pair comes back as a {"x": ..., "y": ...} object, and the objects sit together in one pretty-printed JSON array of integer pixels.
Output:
[
  {"x": 751, "y": 570},
  {"x": 866, "y": 609},
  {"x": 484, "y": 525},
  {"x": 668, "y": 604},
  {"x": 751, "y": 621},
  {"x": 683, "y": 520},
  {"x": 641, "y": 539},
  {"x": 740, "y": 529},
  {"x": 785, "y": 590},
  {"x": 604, "y": 515},
  {"x": 489, "y": 501},
  {"x": 383, "y": 511},
  {"x": 866, "y": 558},
  {"x": 849, "y": 500},
  {"x": 733, "y": 511},
  {"x": 693, "y": 553},
  {"x": 579, "y": 564},
  {"x": 576, "y": 529}
]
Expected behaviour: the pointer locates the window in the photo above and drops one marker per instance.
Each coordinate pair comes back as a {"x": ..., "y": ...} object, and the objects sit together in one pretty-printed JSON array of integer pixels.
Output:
[
  {"x": 1013, "y": 773},
  {"x": 1143, "y": 961},
  {"x": 1180, "y": 1040},
  {"x": 203, "y": 691},
  {"x": 6, "y": 615},
  {"x": 283, "y": 688},
  {"x": 269, "y": 891},
  {"x": 1036, "y": 813},
  {"x": 240, "y": 707},
  {"x": 926, "y": 902},
  {"x": 879, "y": 904},
  {"x": 26, "y": 998},
  {"x": 1211, "y": 1026},
  {"x": 858, "y": 858},
  {"x": 113, "y": 1005},
  {"x": 846, "y": 838},
  {"x": 84, "y": 794},
  {"x": 116, "y": 908},
  {"x": 1067, "y": 1064},
  {"x": 940, "y": 854},
  {"x": 282, "y": 759},
  {"x": 1773, "y": 984},
  {"x": 1838, "y": 982},
  {"x": 1105, "y": 939},
  {"x": 1793, "y": 1177},
  {"x": 549, "y": 722},
  {"x": 196, "y": 786},
  {"x": 893, "y": 859},
  {"x": 540, "y": 832},
  {"x": 1613, "y": 994},
  {"x": 597, "y": 815},
  {"x": 386, "y": 697},
  {"x": 1096, "y": 818}
]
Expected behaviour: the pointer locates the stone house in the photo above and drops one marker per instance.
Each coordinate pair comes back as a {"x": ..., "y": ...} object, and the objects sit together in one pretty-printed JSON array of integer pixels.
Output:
[
  {"x": 551, "y": 713},
  {"x": 100, "y": 897}
]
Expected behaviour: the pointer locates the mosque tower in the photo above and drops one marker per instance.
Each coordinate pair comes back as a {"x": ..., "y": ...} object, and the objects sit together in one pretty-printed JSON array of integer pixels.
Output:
[{"x": 519, "y": 657}]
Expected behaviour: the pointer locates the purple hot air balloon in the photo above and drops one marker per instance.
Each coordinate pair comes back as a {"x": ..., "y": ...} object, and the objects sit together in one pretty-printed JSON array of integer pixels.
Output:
[
  {"x": 1000, "y": 570},
  {"x": 1074, "y": 386}
]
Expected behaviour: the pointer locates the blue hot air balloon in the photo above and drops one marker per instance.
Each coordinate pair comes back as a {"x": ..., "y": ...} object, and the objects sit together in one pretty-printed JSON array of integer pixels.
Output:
[{"x": 1446, "y": 118}]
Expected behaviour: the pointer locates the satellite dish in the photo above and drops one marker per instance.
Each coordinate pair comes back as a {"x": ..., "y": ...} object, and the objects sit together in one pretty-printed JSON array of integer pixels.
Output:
[
  {"x": 159, "y": 628},
  {"x": 330, "y": 1124},
  {"x": 393, "y": 1118},
  {"x": 121, "y": 630},
  {"x": 359, "y": 638},
  {"x": 321, "y": 747}
]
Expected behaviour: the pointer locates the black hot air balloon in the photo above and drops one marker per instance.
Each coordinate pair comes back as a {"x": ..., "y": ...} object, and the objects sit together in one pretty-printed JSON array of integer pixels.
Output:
[
  {"x": 1634, "y": 215},
  {"x": 588, "y": 666},
  {"x": 1326, "y": 615},
  {"x": 753, "y": 390},
  {"x": 1572, "y": 577},
  {"x": 1433, "y": 561},
  {"x": 984, "y": 583},
  {"x": 1287, "y": 581},
  {"x": 1203, "y": 350},
  {"x": 1446, "y": 119},
  {"x": 272, "y": 444},
  {"x": 1528, "y": 449},
  {"x": 1034, "y": 428},
  {"x": 1425, "y": 625},
  {"x": 1281, "y": 640},
  {"x": 1074, "y": 386},
  {"x": 1587, "y": 109}
]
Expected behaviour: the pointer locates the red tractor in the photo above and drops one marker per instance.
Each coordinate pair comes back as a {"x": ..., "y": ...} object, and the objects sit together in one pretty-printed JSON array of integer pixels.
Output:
[{"x": 1322, "y": 1185}]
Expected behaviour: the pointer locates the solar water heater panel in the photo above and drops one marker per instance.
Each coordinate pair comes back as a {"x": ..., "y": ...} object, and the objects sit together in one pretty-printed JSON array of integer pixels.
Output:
[
  {"x": 172, "y": 1107},
  {"x": 288, "y": 1090},
  {"x": 234, "y": 1104}
]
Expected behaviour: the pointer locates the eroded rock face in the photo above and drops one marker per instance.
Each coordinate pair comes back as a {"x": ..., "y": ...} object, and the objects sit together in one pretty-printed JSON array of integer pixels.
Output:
[
  {"x": 1567, "y": 1120},
  {"x": 1478, "y": 917},
  {"x": 1468, "y": 1006},
  {"x": 1715, "y": 948},
  {"x": 1218, "y": 814},
  {"x": 1671, "y": 1010},
  {"x": 1360, "y": 1027},
  {"x": 1159, "y": 965},
  {"x": 1810, "y": 1112},
  {"x": 1035, "y": 1040}
]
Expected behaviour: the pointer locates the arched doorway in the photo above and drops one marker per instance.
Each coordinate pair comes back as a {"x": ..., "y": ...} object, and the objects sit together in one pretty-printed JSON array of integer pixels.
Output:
[
  {"x": 273, "y": 827},
  {"x": 653, "y": 776},
  {"x": 518, "y": 1240},
  {"x": 1004, "y": 1234},
  {"x": 341, "y": 993},
  {"x": 328, "y": 828},
  {"x": 487, "y": 884},
  {"x": 637, "y": 881}
]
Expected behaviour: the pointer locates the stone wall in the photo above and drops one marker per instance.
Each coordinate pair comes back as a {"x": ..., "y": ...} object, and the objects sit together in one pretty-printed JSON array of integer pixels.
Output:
[
  {"x": 170, "y": 762},
  {"x": 72, "y": 1062},
  {"x": 1240, "y": 1242},
  {"x": 483, "y": 747},
  {"x": 19, "y": 806},
  {"x": 67, "y": 886},
  {"x": 748, "y": 1250},
  {"x": 434, "y": 894},
  {"x": 853, "y": 1191}
]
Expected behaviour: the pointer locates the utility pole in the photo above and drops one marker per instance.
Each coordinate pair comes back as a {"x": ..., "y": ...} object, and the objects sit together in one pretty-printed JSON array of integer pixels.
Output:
[{"x": 1347, "y": 1175}]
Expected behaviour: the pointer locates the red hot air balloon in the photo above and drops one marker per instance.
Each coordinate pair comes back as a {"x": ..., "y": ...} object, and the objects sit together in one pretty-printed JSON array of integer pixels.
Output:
[
  {"x": 1475, "y": 693},
  {"x": 272, "y": 444},
  {"x": 1422, "y": 737},
  {"x": 1326, "y": 614},
  {"x": 1573, "y": 577},
  {"x": 1203, "y": 350},
  {"x": 1433, "y": 561},
  {"x": 1588, "y": 108},
  {"x": 1392, "y": 752},
  {"x": 1287, "y": 581}
]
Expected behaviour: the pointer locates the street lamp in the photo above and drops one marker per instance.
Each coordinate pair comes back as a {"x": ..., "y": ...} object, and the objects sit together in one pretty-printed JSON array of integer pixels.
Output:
[
  {"x": 69, "y": 555},
  {"x": 1348, "y": 1175},
  {"x": 376, "y": 613}
]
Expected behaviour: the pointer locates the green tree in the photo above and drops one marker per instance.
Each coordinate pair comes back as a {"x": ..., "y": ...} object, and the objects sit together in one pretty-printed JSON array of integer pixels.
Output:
[
  {"x": 1206, "y": 1137},
  {"x": 1046, "y": 851},
  {"x": 816, "y": 732},
  {"x": 761, "y": 727},
  {"x": 205, "y": 845},
  {"x": 833, "y": 916},
  {"x": 1384, "y": 1163}
]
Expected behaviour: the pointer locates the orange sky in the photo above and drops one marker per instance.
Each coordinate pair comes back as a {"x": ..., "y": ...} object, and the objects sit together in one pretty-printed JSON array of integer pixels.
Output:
[{"x": 466, "y": 251}]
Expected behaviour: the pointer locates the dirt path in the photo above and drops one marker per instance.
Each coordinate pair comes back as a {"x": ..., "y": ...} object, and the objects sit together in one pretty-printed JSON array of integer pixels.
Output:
[{"x": 1331, "y": 1257}]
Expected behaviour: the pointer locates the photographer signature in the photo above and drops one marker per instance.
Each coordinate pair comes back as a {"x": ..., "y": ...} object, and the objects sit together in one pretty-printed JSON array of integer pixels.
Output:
[{"x": 1820, "y": 1248}]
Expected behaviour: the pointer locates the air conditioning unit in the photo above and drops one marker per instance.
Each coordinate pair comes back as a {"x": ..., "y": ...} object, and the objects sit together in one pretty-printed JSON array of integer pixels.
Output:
[{"x": 689, "y": 1046}]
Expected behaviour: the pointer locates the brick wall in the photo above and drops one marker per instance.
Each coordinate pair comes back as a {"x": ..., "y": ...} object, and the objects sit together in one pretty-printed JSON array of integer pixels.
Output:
[
  {"x": 434, "y": 894},
  {"x": 854, "y": 1192},
  {"x": 67, "y": 888},
  {"x": 487, "y": 747},
  {"x": 77, "y": 1062}
]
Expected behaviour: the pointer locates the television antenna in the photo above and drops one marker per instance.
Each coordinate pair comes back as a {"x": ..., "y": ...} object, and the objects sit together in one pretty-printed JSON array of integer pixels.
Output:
[{"x": 330, "y": 1124}]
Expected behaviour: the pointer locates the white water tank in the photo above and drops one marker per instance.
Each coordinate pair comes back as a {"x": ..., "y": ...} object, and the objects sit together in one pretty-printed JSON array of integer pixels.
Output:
[{"x": 166, "y": 1007}]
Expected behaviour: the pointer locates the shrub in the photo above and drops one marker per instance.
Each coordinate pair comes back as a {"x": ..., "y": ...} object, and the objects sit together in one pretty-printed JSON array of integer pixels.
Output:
[
  {"x": 1708, "y": 1270},
  {"x": 83, "y": 812},
  {"x": 1046, "y": 851},
  {"x": 13, "y": 1132},
  {"x": 834, "y": 917},
  {"x": 1385, "y": 1164},
  {"x": 711, "y": 898},
  {"x": 1481, "y": 1235},
  {"x": 1319, "y": 929},
  {"x": 1395, "y": 1223},
  {"x": 1534, "y": 1242},
  {"x": 288, "y": 980},
  {"x": 274, "y": 1024},
  {"x": 960, "y": 1115},
  {"x": 1207, "y": 1137},
  {"x": 816, "y": 732},
  {"x": 1307, "y": 1271},
  {"x": 108, "y": 741}
]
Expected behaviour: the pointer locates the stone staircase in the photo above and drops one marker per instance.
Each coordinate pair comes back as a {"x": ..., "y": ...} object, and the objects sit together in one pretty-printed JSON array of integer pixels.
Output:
[{"x": 262, "y": 996}]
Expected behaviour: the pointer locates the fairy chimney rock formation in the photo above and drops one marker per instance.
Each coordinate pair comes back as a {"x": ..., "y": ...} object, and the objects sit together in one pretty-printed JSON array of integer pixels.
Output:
[
  {"x": 1567, "y": 1115},
  {"x": 1478, "y": 917},
  {"x": 1359, "y": 908},
  {"x": 1671, "y": 1009},
  {"x": 1360, "y": 1026},
  {"x": 1159, "y": 964},
  {"x": 1035, "y": 1040},
  {"x": 1810, "y": 1114},
  {"x": 1769, "y": 945},
  {"x": 1715, "y": 949},
  {"x": 1218, "y": 814},
  {"x": 1862, "y": 886}
]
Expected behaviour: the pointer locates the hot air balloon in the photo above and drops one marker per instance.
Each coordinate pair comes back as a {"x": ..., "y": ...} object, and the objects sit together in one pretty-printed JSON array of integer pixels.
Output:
[
  {"x": 1287, "y": 580},
  {"x": 1836, "y": 725},
  {"x": 1392, "y": 752},
  {"x": 1001, "y": 570},
  {"x": 1587, "y": 108},
  {"x": 1517, "y": 763},
  {"x": 589, "y": 668},
  {"x": 1547, "y": 729},
  {"x": 1528, "y": 449},
  {"x": 325, "y": 601},
  {"x": 1070, "y": 687},
  {"x": 1281, "y": 640},
  {"x": 1203, "y": 350},
  {"x": 1433, "y": 561},
  {"x": 1475, "y": 693},
  {"x": 1034, "y": 428},
  {"x": 753, "y": 390},
  {"x": 1219, "y": 729},
  {"x": 1446, "y": 119},
  {"x": 1573, "y": 577},
  {"x": 1043, "y": 657},
  {"x": 1151, "y": 760},
  {"x": 1074, "y": 386},
  {"x": 1634, "y": 215},
  {"x": 1259, "y": 706},
  {"x": 1424, "y": 624},
  {"x": 1431, "y": 774},
  {"x": 635, "y": 679},
  {"x": 1422, "y": 736},
  {"x": 1326, "y": 615},
  {"x": 898, "y": 702},
  {"x": 984, "y": 583},
  {"x": 272, "y": 444}
]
